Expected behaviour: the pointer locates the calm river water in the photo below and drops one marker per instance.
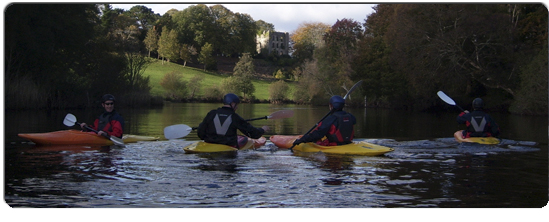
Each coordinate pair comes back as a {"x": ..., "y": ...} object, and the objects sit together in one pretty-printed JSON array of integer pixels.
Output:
[{"x": 427, "y": 168}]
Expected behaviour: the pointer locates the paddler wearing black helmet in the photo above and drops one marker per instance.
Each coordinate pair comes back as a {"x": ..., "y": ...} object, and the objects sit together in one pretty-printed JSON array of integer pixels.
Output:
[
  {"x": 338, "y": 128},
  {"x": 109, "y": 122},
  {"x": 478, "y": 122},
  {"x": 220, "y": 125}
]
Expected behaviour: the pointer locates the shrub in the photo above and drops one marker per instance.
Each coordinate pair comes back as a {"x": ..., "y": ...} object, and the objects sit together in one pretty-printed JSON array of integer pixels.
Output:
[
  {"x": 175, "y": 87},
  {"x": 213, "y": 93},
  {"x": 278, "y": 91}
]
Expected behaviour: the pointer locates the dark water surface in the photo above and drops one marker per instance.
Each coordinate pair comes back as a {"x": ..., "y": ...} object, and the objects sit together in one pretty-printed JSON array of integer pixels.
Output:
[{"x": 427, "y": 168}]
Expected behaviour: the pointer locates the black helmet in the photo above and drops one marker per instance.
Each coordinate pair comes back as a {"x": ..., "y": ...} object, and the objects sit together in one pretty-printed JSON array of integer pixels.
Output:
[
  {"x": 478, "y": 103},
  {"x": 230, "y": 98},
  {"x": 107, "y": 97},
  {"x": 337, "y": 102}
]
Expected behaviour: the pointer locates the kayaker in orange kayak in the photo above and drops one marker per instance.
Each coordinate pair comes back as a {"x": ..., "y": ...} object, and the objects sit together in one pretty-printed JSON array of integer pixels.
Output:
[
  {"x": 479, "y": 123},
  {"x": 338, "y": 128},
  {"x": 220, "y": 125},
  {"x": 110, "y": 122}
]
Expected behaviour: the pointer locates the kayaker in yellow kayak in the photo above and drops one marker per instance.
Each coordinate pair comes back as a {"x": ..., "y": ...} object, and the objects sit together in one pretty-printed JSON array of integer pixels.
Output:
[
  {"x": 110, "y": 122},
  {"x": 220, "y": 125},
  {"x": 479, "y": 123},
  {"x": 338, "y": 128}
]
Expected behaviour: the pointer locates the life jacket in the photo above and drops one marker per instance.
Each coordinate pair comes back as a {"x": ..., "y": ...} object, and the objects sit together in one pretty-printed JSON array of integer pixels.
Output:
[
  {"x": 342, "y": 132},
  {"x": 222, "y": 128},
  {"x": 104, "y": 120},
  {"x": 477, "y": 126}
]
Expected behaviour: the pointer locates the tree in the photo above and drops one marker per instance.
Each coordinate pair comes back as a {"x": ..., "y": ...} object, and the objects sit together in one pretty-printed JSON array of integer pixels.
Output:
[
  {"x": 195, "y": 25},
  {"x": 39, "y": 51},
  {"x": 307, "y": 38},
  {"x": 136, "y": 65},
  {"x": 168, "y": 46},
  {"x": 341, "y": 47},
  {"x": 151, "y": 41},
  {"x": 206, "y": 57},
  {"x": 263, "y": 26},
  {"x": 186, "y": 53},
  {"x": 144, "y": 16},
  {"x": 383, "y": 86},
  {"x": 195, "y": 84},
  {"x": 244, "y": 67},
  {"x": 238, "y": 85},
  {"x": 449, "y": 45}
]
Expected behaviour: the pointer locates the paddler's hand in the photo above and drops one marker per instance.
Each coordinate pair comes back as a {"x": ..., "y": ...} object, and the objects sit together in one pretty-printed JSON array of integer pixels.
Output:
[
  {"x": 265, "y": 128},
  {"x": 466, "y": 111},
  {"x": 102, "y": 133},
  {"x": 83, "y": 125}
]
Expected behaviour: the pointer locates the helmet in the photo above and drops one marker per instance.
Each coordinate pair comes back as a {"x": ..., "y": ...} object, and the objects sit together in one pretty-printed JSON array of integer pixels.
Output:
[
  {"x": 337, "y": 102},
  {"x": 230, "y": 98},
  {"x": 107, "y": 97},
  {"x": 478, "y": 103}
]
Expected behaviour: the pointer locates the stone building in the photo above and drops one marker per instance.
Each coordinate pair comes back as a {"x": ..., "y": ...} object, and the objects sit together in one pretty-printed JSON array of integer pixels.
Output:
[{"x": 273, "y": 42}]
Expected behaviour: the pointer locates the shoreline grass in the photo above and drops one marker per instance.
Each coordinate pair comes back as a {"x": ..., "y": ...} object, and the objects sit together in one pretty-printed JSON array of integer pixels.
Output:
[{"x": 156, "y": 71}]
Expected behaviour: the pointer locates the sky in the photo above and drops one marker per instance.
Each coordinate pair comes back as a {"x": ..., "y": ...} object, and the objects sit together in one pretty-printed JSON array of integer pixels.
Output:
[{"x": 284, "y": 17}]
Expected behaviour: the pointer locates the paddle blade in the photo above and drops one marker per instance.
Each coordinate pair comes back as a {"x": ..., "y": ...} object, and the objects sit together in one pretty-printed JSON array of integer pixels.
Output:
[
  {"x": 117, "y": 141},
  {"x": 281, "y": 114},
  {"x": 352, "y": 89},
  {"x": 70, "y": 120},
  {"x": 446, "y": 98},
  {"x": 177, "y": 131}
]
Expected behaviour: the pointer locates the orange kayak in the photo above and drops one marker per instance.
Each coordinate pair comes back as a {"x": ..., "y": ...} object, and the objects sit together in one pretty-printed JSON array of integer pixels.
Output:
[
  {"x": 259, "y": 142},
  {"x": 284, "y": 141},
  {"x": 76, "y": 137}
]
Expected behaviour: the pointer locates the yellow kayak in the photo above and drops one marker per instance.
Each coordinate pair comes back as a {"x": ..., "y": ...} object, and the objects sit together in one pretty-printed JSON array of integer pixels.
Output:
[
  {"x": 481, "y": 140},
  {"x": 203, "y": 147},
  {"x": 357, "y": 148}
]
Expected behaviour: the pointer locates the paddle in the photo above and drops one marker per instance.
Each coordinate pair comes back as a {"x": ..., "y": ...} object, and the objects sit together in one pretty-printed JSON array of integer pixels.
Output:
[
  {"x": 448, "y": 100},
  {"x": 276, "y": 115},
  {"x": 331, "y": 111},
  {"x": 182, "y": 130},
  {"x": 177, "y": 131},
  {"x": 70, "y": 120}
]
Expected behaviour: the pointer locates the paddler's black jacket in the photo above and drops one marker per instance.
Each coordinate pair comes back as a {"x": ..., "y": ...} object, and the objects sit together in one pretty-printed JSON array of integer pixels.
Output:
[
  {"x": 479, "y": 124},
  {"x": 338, "y": 128},
  {"x": 225, "y": 132}
]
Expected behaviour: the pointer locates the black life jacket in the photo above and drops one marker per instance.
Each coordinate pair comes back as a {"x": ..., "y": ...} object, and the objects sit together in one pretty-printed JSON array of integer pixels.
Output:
[
  {"x": 342, "y": 132},
  {"x": 105, "y": 119}
]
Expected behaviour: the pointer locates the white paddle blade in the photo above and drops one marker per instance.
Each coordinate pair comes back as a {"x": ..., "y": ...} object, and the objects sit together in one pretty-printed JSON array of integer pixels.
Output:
[
  {"x": 117, "y": 141},
  {"x": 446, "y": 98},
  {"x": 177, "y": 131},
  {"x": 281, "y": 114},
  {"x": 352, "y": 89},
  {"x": 70, "y": 120}
]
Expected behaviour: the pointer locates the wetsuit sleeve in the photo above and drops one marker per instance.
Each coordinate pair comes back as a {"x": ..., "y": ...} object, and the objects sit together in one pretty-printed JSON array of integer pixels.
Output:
[
  {"x": 494, "y": 128},
  {"x": 320, "y": 131},
  {"x": 203, "y": 126},
  {"x": 462, "y": 118},
  {"x": 94, "y": 126},
  {"x": 117, "y": 128},
  {"x": 246, "y": 128}
]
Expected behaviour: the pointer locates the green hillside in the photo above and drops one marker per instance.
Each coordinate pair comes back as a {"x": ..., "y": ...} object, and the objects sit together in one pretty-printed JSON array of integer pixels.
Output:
[{"x": 157, "y": 70}]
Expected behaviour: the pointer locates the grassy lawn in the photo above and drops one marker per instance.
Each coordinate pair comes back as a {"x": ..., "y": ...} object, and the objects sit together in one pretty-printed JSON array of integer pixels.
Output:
[{"x": 157, "y": 70}]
